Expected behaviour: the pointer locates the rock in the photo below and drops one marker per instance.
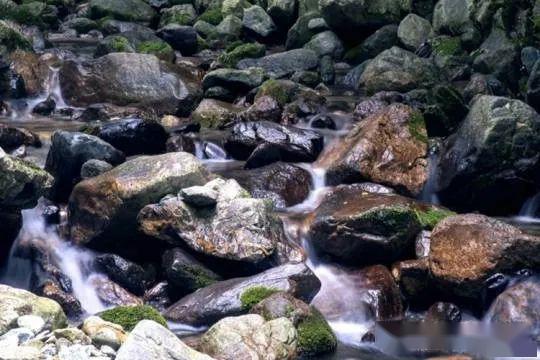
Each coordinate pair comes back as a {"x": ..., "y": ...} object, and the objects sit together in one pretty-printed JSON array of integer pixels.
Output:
[
  {"x": 282, "y": 305},
  {"x": 239, "y": 228},
  {"x": 363, "y": 228},
  {"x": 33, "y": 71},
  {"x": 45, "y": 108},
  {"x": 456, "y": 18},
  {"x": 133, "y": 136},
  {"x": 283, "y": 64},
  {"x": 149, "y": 340},
  {"x": 234, "y": 7},
  {"x": 250, "y": 336},
  {"x": 285, "y": 184},
  {"x": 283, "y": 12},
  {"x": 185, "y": 273},
  {"x": 442, "y": 311},
  {"x": 264, "y": 108},
  {"x": 529, "y": 56},
  {"x": 159, "y": 296},
  {"x": 414, "y": 281},
  {"x": 258, "y": 22},
  {"x": 128, "y": 79},
  {"x": 300, "y": 33},
  {"x": 347, "y": 16},
  {"x": 230, "y": 27},
  {"x": 466, "y": 250},
  {"x": 413, "y": 31},
  {"x": 12, "y": 138},
  {"x": 15, "y": 303},
  {"x": 223, "y": 298},
  {"x": 236, "y": 80},
  {"x": 262, "y": 143},
  {"x": 475, "y": 171},
  {"x": 103, "y": 332},
  {"x": 533, "y": 87},
  {"x": 389, "y": 147},
  {"x": 481, "y": 84},
  {"x": 33, "y": 323},
  {"x": 109, "y": 203},
  {"x": 181, "y": 38},
  {"x": 183, "y": 14},
  {"x": 93, "y": 168},
  {"x": 21, "y": 183},
  {"x": 396, "y": 69},
  {"x": 214, "y": 113},
  {"x": 199, "y": 196},
  {"x": 13, "y": 38},
  {"x": 126, "y": 273},
  {"x": 326, "y": 43},
  {"x": 69, "y": 151},
  {"x": 112, "y": 294},
  {"x": 382, "y": 39},
  {"x": 128, "y": 10},
  {"x": 54, "y": 289}
]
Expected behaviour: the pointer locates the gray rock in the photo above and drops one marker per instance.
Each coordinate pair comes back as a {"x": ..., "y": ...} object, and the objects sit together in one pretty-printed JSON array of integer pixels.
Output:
[
  {"x": 382, "y": 39},
  {"x": 128, "y": 10},
  {"x": 31, "y": 322},
  {"x": 326, "y": 43},
  {"x": 283, "y": 12},
  {"x": 230, "y": 27},
  {"x": 455, "y": 17},
  {"x": 183, "y": 14},
  {"x": 199, "y": 196},
  {"x": 283, "y": 64},
  {"x": 93, "y": 168},
  {"x": 258, "y": 22},
  {"x": 236, "y": 80},
  {"x": 104, "y": 333},
  {"x": 529, "y": 56},
  {"x": 413, "y": 31},
  {"x": 498, "y": 55},
  {"x": 300, "y": 33}
]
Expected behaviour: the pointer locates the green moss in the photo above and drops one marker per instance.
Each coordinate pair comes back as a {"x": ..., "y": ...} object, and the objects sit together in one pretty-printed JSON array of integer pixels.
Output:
[
  {"x": 431, "y": 217},
  {"x": 447, "y": 46},
  {"x": 274, "y": 89},
  {"x": 201, "y": 43},
  {"x": 315, "y": 335},
  {"x": 244, "y": 51},
  {"x": 159, "y": 48},
  {"x": 29, "y": 13},
  {"x": 119, "y": 44},
  {"x": 200, "y": 277},
  {"x": 212, "y": 16},
  {"x": 255, "y": 295},
  {"x": 12, "y": 39},
  {"x": 129, "y": 316},
  {"x": 417, "y": 127}
]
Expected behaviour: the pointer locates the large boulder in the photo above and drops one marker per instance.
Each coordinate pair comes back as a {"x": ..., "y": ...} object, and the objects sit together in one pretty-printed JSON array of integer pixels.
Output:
[
  {"x": 150, "y": 340},
  {"x": 257, "y": 22},
  {"x": 396, "y": 69},
  {"x": 284, "y": 63},
  {"x": 237, "y": 227},
  {"x": 232, "y": 297},
  {"x": 129, "y": 79},
  {"x": 109, "y": 203},
  {"x": 69, "y": 151},
  {"x": 15, "y": 303},
  {"x": 250, "y": 337},
  {"x": 495, "y": 149},
  {"x": 466, "y": 250},
  {"x": 354, "y": 226},
  {"x": 128, "y": 10},
  {"x": 264, "y": 142},
  {"x": 21, "y": 183},
  {"x": 389, "y": 147},
  {"x": 182, "y": 38}
]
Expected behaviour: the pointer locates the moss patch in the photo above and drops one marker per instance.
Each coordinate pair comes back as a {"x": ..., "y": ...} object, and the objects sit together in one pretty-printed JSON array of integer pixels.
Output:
[
  {"x": 12, "y": 39},
  {"x": 417, "y": 127},
  {"x": 315, "y": 335},
  {"x": 244, "y": 51},
  {"x": 275, "y": 90},
  {"x": 119, "y": 44},
  {"x": 447, "y": 46},
  {"x": 159, "y": 48},
  {"x": 212, "y": 16},
  {"x": 255, "y": 295},
  {"x": 431, "y": 217},
  {"x": 129, "y": 316}
]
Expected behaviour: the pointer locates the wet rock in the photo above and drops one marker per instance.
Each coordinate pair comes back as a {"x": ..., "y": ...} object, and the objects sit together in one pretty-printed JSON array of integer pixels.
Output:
[
  {"x": 223, "y": 299},
  {"x": 199, "y": 196},
  {"x": 102, "y": 332},
  {"x": 262, "y": 143},
  {"x": 52, "y": 289},
  {"x": 12, "y": 137},
  {"x": 21, "y": 183},
  {"x": 282, "y": 305},
  {"x": 181, "y": 38},
  {"x": 15, "y": 303},
  {"x": 250, "y": 336},
  {"x": 388, "y": 147},
  {"x": 466, "y": 250},
  {"x": 133, "y": 136},
  {"x": 529, "y": 56},
  {"x": 238, "y": 228},
  {"x": 159, "y": 296},
  {"x": 283, "y": 64},
  {"x": 69, "y": 151},
  {"x": 475, "y": 170},
  {"x": 264, "y": 108},
  {"x": 128, "y": 10},
  {"x": 230, "y": 27},
  {"x": 33, "y": 71},
  {"x": 181, "y": 143},
  {"x": 124, "y": 272},
  {"x": 354, "y": 226},
  {"x": 45, "y": 108},
  {"x": 214, "y": 113},
  {"x": 442, "y": 311},
  {"x": 285, "y": 184},
  {"x": 112, "y": 294},
  {"x": 256, "y": 21},
  {"x": 236, "y": 80},
  {"x": 413, "y": 278},
  {"x": 129, "y": 79},
  {"x": 149, "y": 340},
  {"x": 396, "y": 69},
  {"x": 109, "y": 203},
  {"x": 185, "y": 273},
  {"x": 93, "y": 168}
]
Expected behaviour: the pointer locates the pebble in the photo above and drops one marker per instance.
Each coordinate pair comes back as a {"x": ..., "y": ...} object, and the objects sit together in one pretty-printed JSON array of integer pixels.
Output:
[{"x": 31, "y": 322}]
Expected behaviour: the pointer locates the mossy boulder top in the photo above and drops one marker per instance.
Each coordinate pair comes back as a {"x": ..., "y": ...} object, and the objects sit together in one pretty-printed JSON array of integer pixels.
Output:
[
  {"x": 389, "y": 147},
  {"x": 128, "y": 10}
]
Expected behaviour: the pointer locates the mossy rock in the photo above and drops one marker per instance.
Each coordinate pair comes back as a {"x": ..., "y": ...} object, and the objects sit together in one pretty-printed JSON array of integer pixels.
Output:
[
  {"x": 160, "y": 49},
  {"x": 212, "y": 16},
  {"x": 315, "y": 335},
  {"x": 255, "y": 295},
  {"x": 279, "y": 90},
  {"x": 129, "y": 316},
  {"x": 417, "y": 127},
  {"x": 12, "y": 39},
  {"x": 244, "y": 51},
  {"x": 431, "y": 217},
  {"x": 179, "y": 14},
  {"x": 112, "y": 44},
  {"x": 447, "y": 46},
  {"x": 7, "y": 9}
]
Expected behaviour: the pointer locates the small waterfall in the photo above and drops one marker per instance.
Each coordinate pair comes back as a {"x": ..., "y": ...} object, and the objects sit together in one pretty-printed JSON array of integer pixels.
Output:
[
  {"x": 529, "y": 210},
  {"x": 429, "y": 194}
]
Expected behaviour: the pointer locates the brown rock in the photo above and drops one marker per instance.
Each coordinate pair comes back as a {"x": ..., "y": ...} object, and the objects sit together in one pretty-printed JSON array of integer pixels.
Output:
[
  {"x": 413, "y": 279},
  {"x": 518, "y": 304},
  {"x": 34, "y": 72},
  {"x": 388, "y": 147},
  {"x": 112, "y": 294}
]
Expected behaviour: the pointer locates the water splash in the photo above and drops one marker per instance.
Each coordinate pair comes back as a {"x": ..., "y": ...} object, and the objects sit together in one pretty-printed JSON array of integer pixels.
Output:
[{"x": 529, "y": 210}]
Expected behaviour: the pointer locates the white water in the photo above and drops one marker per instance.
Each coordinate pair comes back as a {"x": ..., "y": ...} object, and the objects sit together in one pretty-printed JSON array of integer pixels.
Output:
[
  {"x": 429, "y": 194},
  {"x": 529, "y": 210}
]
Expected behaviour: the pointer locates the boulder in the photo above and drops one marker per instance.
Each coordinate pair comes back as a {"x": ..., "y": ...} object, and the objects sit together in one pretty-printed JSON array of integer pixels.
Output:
[
  {"x": 326, "y": 43},
  {"x": 456, "y": 17},
  {"x": 466, "y": 250},
  {"x": 257, "y": 22},
  {"x": 262, "y": 143},
  {"x": 283, "y": 64},
  {"x": 224, "y": 298},
  {"x": 149, "y": 340},
  {"x": 15, "y": 303},
  {"x": 33, "y": 71},
  {"x": 12, "y": 138},
  {"x": 283, "y": 12},
  {"x": 396, "y": 69},
  {"x": 102, "y": 332},
  {"x": 128, "y": 79},
  {"x": 300, "y": 33},
  {"x": 282, "y": 305},
  {"x": 109, "y": 203},
  {"x": 413, "y": 31},
  {"x": 230, "y": 27},
  {"x": 124, "y": 272},
  {"x": 183, "y": 14},
  {"x": 69, "y": 151},
  {"x": 388, "y": 147},
  {"x": 495, "y": 149},
  {"x": 235, "y": 80},
  {"x": 250, "y": 337},
  {"x": 382, "y": 39},
  {"x": 214, "y": 113},
  {"x": 128, "y": 10},
  {"x": 238, "y": 227},
  {"x": 181, "y": 38},
  {"x": 354, "y": 226},
  {"x": 111, "y": 294},
  {"x": 21, "y": 183},
  {"x": 93, "y": 168}
]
